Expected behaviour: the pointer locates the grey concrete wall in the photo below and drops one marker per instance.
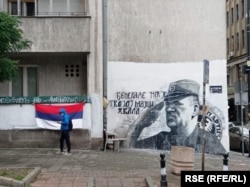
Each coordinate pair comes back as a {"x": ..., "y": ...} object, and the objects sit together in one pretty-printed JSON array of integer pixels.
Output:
[
  {"x": 95, "y": 67},
  {"x": 80, "y": 139},
  {"x": 52, "y": 78},
  {"x": 166, "y": 30},
  {"x": 57, "y": 34}
]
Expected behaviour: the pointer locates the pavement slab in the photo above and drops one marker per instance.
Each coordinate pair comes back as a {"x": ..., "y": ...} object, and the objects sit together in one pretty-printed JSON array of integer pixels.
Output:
[{"x": 92, "y": 168}]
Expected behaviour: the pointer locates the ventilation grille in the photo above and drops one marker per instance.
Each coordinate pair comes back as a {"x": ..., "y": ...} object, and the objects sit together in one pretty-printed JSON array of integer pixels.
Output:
[{"x": 72, "y": 70}]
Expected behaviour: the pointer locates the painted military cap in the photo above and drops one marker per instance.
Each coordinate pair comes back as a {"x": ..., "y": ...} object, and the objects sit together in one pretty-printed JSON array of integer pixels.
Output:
[{"x": 181, "y": 89}]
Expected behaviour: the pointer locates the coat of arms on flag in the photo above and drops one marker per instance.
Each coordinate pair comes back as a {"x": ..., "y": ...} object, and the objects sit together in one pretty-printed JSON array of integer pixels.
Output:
[{"x": 47, "y": 115}]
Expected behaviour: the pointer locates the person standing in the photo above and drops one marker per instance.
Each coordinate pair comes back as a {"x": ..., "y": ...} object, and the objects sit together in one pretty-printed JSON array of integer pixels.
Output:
[{"x": 65, "y": 132}]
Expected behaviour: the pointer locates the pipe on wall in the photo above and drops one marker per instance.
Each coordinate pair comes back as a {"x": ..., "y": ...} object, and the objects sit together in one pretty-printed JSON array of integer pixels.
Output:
[{"x": 105, "y": 57}]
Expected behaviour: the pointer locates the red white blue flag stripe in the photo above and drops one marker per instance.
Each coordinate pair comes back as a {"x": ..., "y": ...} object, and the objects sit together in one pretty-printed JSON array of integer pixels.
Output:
[{"x": 47, "y": 115}]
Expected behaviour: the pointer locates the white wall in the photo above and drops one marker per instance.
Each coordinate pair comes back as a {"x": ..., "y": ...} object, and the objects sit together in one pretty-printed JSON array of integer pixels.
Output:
[
  {"x": 150, "y": 78},
  {"x": 17, "y": 116}
]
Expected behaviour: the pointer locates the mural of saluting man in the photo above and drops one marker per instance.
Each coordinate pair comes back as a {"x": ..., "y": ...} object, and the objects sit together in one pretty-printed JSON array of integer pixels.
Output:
[{"x": 181, "y": 107}]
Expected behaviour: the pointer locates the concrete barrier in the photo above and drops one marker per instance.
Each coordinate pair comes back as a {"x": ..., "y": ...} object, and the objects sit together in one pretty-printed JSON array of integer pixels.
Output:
[{"x": 182, "y": 158}]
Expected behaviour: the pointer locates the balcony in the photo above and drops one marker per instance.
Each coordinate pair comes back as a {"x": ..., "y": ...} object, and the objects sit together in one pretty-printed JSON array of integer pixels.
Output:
[
  {"x": 45, "y": 7},
  {"x": 57, "y": 34}
]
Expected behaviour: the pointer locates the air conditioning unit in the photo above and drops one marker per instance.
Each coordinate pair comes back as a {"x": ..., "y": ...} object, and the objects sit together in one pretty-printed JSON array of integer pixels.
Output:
[{"x": 231, "y": 54}]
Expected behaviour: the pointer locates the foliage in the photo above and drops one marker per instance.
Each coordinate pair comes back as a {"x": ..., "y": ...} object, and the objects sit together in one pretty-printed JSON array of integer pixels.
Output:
[
  {"x": 12, "y": 41},
  {"x": 15, "y": 173}
]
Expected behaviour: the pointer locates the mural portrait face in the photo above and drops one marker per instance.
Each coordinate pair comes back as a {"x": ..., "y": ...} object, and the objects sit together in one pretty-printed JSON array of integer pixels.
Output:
[
  {"x": 180, "y": 112},
  {"x": 181, "y": 106}
]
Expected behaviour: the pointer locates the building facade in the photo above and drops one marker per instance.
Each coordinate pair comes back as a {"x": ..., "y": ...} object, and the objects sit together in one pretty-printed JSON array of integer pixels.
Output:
[
  {"x": 154, "y": 47},
  {"x": 237, "y": 49},
  {"x": 135, "y": 53},
  {"x": 63, "y": 65}
]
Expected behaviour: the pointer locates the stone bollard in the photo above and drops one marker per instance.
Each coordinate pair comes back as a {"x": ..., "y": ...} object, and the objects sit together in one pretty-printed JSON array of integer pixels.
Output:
[
  {"x": 182, "y": 159},
  {"x": 164, "y": 182},
  {"x": 225, "y": 162}
]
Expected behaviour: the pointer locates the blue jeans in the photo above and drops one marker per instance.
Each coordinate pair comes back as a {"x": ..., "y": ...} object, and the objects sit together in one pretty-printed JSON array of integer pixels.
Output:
[{"x": 65, "y": 136}]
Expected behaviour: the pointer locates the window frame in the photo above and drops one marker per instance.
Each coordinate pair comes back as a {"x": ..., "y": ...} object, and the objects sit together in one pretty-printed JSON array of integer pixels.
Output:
[{"x": 25, "y": 86}]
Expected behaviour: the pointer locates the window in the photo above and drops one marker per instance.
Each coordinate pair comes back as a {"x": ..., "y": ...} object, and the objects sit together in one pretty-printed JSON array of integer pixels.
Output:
[
  {"x": 237, "y": 12},
  {"x": 230, "y": 80},
  {"x": 237, "y": 41},
  {"x": 232, "y": 44},
  {"x": 32, "y": 81},
  {"x": 232, "y": 14},
  {"x": 242, "y": 8},
  {"x": 227, "y": 45},
  {"x": 23, "y": 8},
  {"x": 17, "y": 83},
  {"x": 25, "y": 84},
  {"x": 243, "y": 39},
  {"x": 14, "y": 8},
  {"x": 227, "y": 20},
  {"x": 30, "y": 7}
]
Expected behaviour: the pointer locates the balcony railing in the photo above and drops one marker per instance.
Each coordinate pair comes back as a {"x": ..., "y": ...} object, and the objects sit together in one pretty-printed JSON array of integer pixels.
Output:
[
  {"x": 38, "y": 8},
  {"x": 61, "y": 14}
]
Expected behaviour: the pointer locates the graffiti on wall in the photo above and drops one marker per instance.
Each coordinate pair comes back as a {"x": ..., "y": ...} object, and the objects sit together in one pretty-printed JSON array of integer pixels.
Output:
[
  {"x": 135, "y": 102},
  {"x": 172, "y": 118},
  {"x": 44, "y": 99},
  {"x": 161, "y": 107}
]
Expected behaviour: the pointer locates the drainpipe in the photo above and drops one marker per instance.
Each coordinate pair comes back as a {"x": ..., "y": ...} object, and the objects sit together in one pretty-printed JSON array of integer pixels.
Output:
[{"x": 105, "y": 59}]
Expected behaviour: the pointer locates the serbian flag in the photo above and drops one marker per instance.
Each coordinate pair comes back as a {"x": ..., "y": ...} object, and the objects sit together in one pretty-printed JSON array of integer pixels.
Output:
[{"x": 47, "y": 115}]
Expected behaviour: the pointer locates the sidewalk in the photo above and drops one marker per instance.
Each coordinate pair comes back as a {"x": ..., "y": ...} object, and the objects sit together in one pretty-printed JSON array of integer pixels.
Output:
[{"x": 90, "y": 168}]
